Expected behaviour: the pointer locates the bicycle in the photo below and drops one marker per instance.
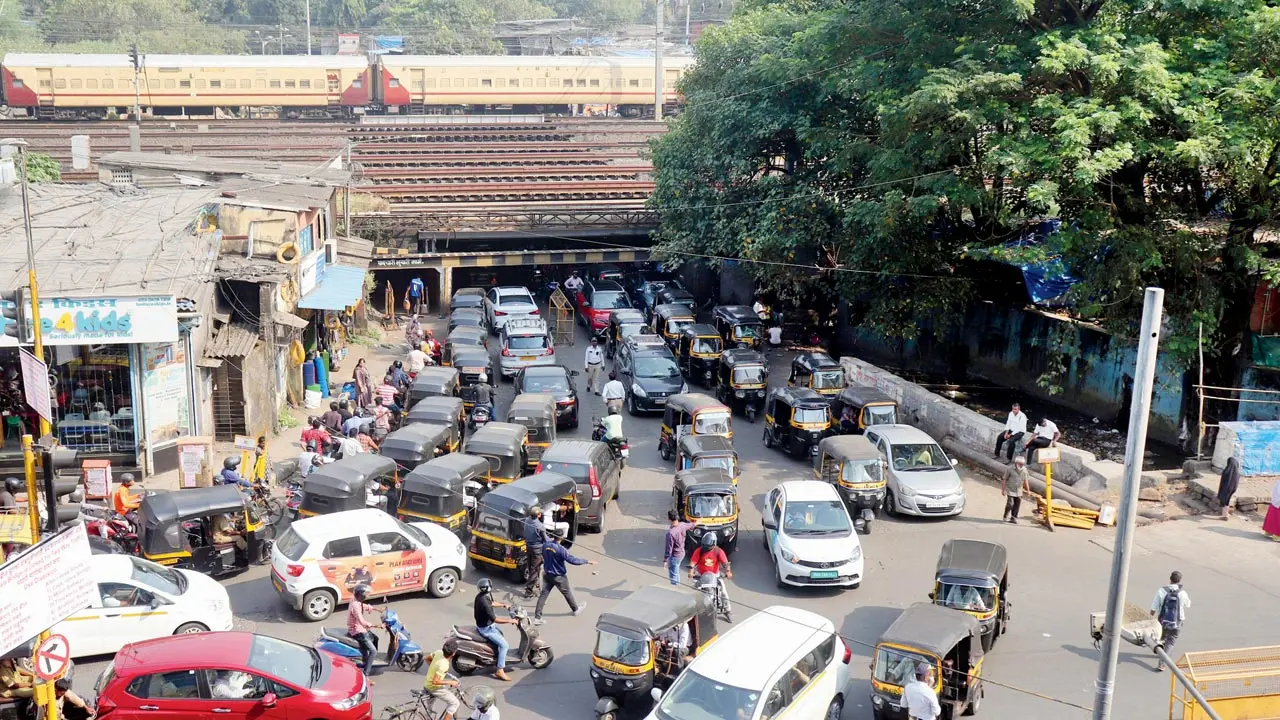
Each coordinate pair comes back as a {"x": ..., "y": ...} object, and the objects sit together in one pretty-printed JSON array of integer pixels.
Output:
[{"x": 423, "y": 706}]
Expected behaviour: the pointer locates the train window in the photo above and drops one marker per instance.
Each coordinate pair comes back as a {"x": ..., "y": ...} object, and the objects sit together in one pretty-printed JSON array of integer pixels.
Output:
[
  {"x": 542, "y": 82},
  {"x": 91, "y": 83},
  {"x": 419, "y": 84},
  {"x": 500, "y": 82},
  {"x": 430, "y": 82},
  {"x": 108, "y": 84},
  {"x": 647, "y": 82},
  {"x": 566, "y": 83},
  {"x": 184, "y": 83},
  {"x": 244, "y": 84},
  {"x": 527, "y": 82},
  {"x": 170, "y": 84},
  {"x": 17, "y": 83},
  {"x": 460, "y": 82},
  {"x": 290, "y": 83},
  {"x": 357, "y": 82},
  {"x": 472, "y": 82},
  {"x": 46, "y": 83},
  {"x": 582, "y": 82},
  {"x": 393, "y": 82},
  {"x": 669, "y": 84},
  {"x": 635, "y": 82},
  {"x": 595, "y": 83},
  {"x": 76, "y": 83},
  {"x": 60, "y": 83},
  {"x": 514, "y": 82},
  {"x": 305, "y": 84},
  {"x": 486, "y": 83},
  {"x": 217, "y": 83},
  {"x": 275, "y": 84}
]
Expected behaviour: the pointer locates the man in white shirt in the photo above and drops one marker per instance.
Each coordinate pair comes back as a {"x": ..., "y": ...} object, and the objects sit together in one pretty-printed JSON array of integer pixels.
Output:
[
  {"x": 775, "y": 336},
  {"x": 416, "y": 360},
  {"x": 574, "y": 283},
  {"x": 1046, "y": 435},
  {"x": 1014, "y": 428},
  {"x": 919, "y": 697},
  {"x": 613, "y": 393},
  {"x": 1170, "y": 607},
  {"x": 761, "y": 310},
  {"x": 594, "y": 362}
]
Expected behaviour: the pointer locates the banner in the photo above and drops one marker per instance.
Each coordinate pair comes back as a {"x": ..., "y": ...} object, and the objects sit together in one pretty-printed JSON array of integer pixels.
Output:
[
  {"x": 165, "y": 392},
  {"x": 396, "y": 571},
  {"x": 102, "y": 320}
]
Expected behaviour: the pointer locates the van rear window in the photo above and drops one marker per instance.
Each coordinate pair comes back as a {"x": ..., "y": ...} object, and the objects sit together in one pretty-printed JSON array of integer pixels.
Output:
[{"x": 291, "y": 545}]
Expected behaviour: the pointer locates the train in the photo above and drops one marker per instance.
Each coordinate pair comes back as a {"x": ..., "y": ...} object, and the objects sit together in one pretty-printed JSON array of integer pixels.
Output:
[{"x": 91, "y": 87}]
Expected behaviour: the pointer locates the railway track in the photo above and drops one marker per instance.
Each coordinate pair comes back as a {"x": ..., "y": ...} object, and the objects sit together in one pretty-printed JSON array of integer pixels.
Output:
[
  {"x": 391, "y": 176},
  {"x": 445, "y": 194}
]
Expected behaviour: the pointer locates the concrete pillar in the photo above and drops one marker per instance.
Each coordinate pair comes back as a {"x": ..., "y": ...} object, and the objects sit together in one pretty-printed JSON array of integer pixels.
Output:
[
  {"x": 446, "y": 289},
  {"x": 79, "y": 152}
]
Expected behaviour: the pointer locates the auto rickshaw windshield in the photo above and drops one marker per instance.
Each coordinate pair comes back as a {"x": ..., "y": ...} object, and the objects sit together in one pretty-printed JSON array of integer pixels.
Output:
[
  {"x": 919, "y": 457},
  {"x": 656, "y": 367},
  {"x": 811, "y": 415},
  {"x": 724, "y": 462},
  {"x": 881, "y": 415},
  {"x": 749, "y": 375},
  {"x": 828, "y": 379},
  {"x": 711, "y": 423},
  {"x": 539, "y": 433},
  {"x": 711, "y": 506},
  {"x": 675, "y": 325},
  {"x": 861, "y": 471},
  {"x": 966, "y": 597},
  {"x": 622, "y": 650},
  {"x": 746, "y": 332},
  {"x": 898, "y": 667},
  {"x": 706, "y": 345}
]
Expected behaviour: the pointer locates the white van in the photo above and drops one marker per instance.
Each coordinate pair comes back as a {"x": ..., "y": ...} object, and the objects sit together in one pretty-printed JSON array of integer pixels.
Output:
[
  {"x": 318, "y": 561},
  {"x": 781, "y": 663}
]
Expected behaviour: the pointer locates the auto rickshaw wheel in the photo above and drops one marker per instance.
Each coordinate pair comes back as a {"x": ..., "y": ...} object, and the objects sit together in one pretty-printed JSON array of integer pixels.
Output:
[
  {"x": 611, "y": 715},
  {"x": 890, "y": 503},
  {"x": 768, "y": 440},
  {"x": 972, "y": 707},
  {"x": 665, "y": 450},
  {"x": 318, "y": 604},
  {"x": 989, "y": 640},
  {"x": 541, "y": 658}
]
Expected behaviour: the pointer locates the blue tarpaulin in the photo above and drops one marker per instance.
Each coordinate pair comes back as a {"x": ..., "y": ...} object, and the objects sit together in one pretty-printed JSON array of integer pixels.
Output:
[
  {"x": 388, "y": 44},
  {"x": 1255, "y": 444},
  {"x": 1047, "y": 281},
  {"x": 342, "y": 287}
]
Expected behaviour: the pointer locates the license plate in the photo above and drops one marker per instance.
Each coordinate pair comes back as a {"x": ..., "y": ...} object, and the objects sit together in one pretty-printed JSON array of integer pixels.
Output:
[
  {"x": 626, "y": 452},
  {"x": 659, "y": 401},
  {"x": 937, "y": 504},
  {"x": 527, "y": 358},
  {"x": 824, "y": 574}
]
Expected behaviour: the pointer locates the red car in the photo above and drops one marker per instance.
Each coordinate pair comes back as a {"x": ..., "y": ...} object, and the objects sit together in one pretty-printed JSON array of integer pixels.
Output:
[
  {"x": 597, "y": 299},
  {"x": 230, "y": 675}
]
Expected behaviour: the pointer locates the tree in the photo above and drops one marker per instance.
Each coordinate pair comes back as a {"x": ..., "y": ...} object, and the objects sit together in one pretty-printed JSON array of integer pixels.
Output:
[
  {"x": 43, "y": 168},
  {"x": 443, "y": 27},
  {"x": 157, "y": 26},
  {"x": 602, "y": 14}
]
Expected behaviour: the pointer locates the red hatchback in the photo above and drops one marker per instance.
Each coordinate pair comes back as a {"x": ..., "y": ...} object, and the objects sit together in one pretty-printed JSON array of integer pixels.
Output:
[{"x": 230, "y": 675}]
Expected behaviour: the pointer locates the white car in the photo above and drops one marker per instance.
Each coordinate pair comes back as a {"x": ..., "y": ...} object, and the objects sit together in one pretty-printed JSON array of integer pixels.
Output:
[
  {"x": 525, "y": 342},
  {"x": 922, "y": 479},
  {"x": 810, "y": 537},
  {"x": 503, "y": 303},
  {"x": 318, "y": 561},
  {"x": 140, "y": 600},
  {"x": 782, "y": 662}
]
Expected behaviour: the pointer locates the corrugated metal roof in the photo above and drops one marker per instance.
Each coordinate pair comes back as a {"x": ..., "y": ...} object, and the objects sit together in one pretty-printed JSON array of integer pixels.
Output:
[
  {"x": 289, "y": 319},
  {"x": 234, "y": 340},
  {"x": 282, "y": 172},
  {"x": 355, "y": 252},
  {"x": 342, "y": 287}
]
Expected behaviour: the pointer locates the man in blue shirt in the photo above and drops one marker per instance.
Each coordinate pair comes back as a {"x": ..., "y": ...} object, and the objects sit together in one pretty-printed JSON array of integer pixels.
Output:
[
  {"x": 415, "y": 295},
  {"x": 535, "y": 539},
  {"x": 230, "y": 475},
  {"x": 555, "y": 575}
]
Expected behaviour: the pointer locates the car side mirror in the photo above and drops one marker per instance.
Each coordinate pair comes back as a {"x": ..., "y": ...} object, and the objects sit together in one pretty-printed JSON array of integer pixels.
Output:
[
  {"x": 954, "y": 462},
  {"x": 269, "y": 700},
  {"x": 156, "y": 602},
  {"x": 769, "y": 522}
]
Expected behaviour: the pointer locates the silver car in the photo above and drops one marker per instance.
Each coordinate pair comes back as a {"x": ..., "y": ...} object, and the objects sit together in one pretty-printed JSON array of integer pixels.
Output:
[{"x": 922, "y": 479}]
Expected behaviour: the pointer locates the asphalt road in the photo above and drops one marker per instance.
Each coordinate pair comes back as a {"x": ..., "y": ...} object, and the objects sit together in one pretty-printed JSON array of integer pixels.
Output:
[{"x": 1043, "y": 668}]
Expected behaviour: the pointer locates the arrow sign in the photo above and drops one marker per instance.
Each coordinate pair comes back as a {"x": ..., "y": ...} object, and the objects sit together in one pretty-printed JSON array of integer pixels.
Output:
[{"x": 52, "y": 658}]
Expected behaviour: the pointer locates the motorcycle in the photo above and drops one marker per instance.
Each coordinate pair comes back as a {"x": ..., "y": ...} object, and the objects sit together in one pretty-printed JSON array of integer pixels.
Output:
[
  {"x": 402, "y": 651},
  {"x": 293, "y": 498},
  {"x": 476, "y": 653},
  {"x": 113, "y": 527},
  {"x": 480, "y": 416},
  {"x": 620, "y": 447},
  {"x": 268, "y": 506},
  {"x": 709, "y": 584}
]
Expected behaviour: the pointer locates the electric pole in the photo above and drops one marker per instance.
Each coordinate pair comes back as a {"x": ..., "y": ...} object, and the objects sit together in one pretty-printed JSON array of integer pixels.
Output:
[
  {"x": 135, "y": 142},
  {"x": 308, "y": 4},
  {"x": 657, "y": 61}
]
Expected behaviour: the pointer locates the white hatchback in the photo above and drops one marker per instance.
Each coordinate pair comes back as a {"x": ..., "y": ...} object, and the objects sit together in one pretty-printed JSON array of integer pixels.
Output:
[
  {"x": 318, "y": 561},
  {"x": 809, "y": 535},
  {"x": 140, "y": 600},
  {"x": 504, "y": 303}
]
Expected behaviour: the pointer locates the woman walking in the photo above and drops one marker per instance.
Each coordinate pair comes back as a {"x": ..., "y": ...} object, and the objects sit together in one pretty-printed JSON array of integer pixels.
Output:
[
  {"x": 1228, "y": 484},
  {"x": 1271, "y": 526},
  {"x": 364, "y": 388}
]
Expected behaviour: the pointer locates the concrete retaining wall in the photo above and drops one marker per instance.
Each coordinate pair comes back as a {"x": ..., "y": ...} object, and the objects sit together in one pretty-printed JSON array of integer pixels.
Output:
[{"x": 944, "y": 419}]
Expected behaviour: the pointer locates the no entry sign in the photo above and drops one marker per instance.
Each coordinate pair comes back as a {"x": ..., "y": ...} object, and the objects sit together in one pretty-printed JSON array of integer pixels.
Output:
[{"x": 52, "y": 657}]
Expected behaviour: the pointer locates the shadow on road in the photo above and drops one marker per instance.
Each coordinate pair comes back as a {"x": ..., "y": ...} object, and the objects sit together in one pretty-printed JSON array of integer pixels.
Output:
[
  {"x": 570, "y": 675},
  {"x": 1144, "y": 661},
  {"x": 642, "y": 546},
  {"x": 644, "y": 504}
]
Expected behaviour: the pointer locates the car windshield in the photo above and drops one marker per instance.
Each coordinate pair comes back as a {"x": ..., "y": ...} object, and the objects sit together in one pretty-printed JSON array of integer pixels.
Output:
[
  {"x": 725, "y": 463},
  {"x": 295, "y": 664},
  {"x": 546, "y": 383},
  {"x": 965, "y": 597},
  {"x": 675, "y": 325},
  {"x": 715, "y": 422},
  {"x": 897, "y": 667},
  {"x": 854, "y": 471},
  {"x": 811, "y": 415},
  {"x": 656, "y": 367},
  {"x": 527, "y": 342},
  {"x": 815, "y": 517},
  {"x": 170, "y": 582},
  {"x": 711, "y": 506},
  {"x": 924, "y": 457},
  {"x": 697, "y": 697},
  {"x": 609, "y": 299},
  {"x": 415, "y": 533},
  {"x": 626, "y": 330},
  {"x": 515, "y": 298},
  {"x": 746, "y": 332},
  {"x": 826, "y": 379},
  {"x": 626, "y": 651},
  {"x": 706, "y": 346},
  {"x": 749, "y": 375}
]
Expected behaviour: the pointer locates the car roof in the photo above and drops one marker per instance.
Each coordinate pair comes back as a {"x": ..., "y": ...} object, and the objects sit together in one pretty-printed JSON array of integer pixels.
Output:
[
  {"x": 545, "y": 370},
  {"x": 806, "y": 490},
  {"x": 609, "y": 285},
  {"x": 513, "y": 290},
  {"x": 184, "y": 651},
  {"x": 902, "y": 434},
  {"x": 736, "y": 658},
  {"x": 319, "y": 526},
  {"x": 570, "y": 450}
]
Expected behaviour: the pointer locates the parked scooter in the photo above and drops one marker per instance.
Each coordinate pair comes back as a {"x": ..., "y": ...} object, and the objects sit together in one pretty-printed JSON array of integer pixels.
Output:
[
  {"x": 402, "y": 651},
  {"x": 476, "y": 653}
]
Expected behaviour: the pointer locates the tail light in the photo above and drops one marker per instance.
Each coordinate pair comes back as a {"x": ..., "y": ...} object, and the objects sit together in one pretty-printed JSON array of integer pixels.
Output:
[
  {"x": 294, "y": 570},
  {"x": 506, "y": 352},
  {"x": 595, "y": 484},
  {"x": 533, "y": 311},
  {"x": 105, "y": 707},
  {"x": 539, "y": 468},
  {"x": 499, "y": 313},
  {"x": 848, "y": 652}
]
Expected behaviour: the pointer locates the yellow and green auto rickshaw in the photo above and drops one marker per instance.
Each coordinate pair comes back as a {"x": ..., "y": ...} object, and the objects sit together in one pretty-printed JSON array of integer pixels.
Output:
[
  {"x": 859, "y": 407},
  {"x": 926, "y": 634},
  {"x": 433, "y": 382},
  {"x": 818, "y": 372},
  {"x": 537, "y": 412},
  {"x": 743, "y": 381},
  {"x": 443, "y": 491},
  {"x": 505, "y": 446},
  {"x": 447, "y": 411},
  {"x": 857, "y": 469},
  {"x": 178, "y": 528},
  {"x": 973, "y": 576},
  {"x": 692, "y": 414},
  {"x": 497, "y": 535},
  {"x": 708, "y": 498},
  {"x": 643, "y": 643},
  {"x": 707, "y": 451},
  {"x": 669, "y": 320},
  {"x": 795, "y": 420}
]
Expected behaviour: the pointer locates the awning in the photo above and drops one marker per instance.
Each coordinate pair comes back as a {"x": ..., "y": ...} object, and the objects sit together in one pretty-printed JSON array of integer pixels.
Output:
[{"x": 342, "y": 287}]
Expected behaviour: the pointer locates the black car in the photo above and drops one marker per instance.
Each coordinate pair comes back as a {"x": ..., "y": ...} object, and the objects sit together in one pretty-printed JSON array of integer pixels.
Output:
[
  {"x": 644, "y": 285},
  {"x": 650, "y": 375},
  {"x": 556, "y": 381}
]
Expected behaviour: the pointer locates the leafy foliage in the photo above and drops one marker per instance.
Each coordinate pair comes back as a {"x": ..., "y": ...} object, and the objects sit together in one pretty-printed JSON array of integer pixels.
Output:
[{"x": 43, "y": 168}]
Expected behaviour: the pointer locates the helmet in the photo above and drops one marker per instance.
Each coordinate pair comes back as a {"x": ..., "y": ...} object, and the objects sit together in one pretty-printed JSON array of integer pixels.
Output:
[
  {"x": 361, "y": 592},
  {"x": 127, "y": 478},
  {"x": 483, "y": 698},
  {"x": 13, "y": 485},
  {"x": 342, "y": 404},
  {"x": 311, "y": 446},
  {"x": 449, "y": 647},
  {"x": 484, "y": 378},
  {"x": 231, "y": 463},
  {"x": 397, "y": 364},
  {"x": 613, "y": 411},
  {"x": 709, "y": 541},
  {"x": 485, "y": 585}
]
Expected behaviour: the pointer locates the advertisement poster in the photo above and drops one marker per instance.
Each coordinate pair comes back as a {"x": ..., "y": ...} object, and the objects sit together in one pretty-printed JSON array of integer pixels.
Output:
[
  {"x": 395, "y": 572},
  {"x": 164, "y": 389}
]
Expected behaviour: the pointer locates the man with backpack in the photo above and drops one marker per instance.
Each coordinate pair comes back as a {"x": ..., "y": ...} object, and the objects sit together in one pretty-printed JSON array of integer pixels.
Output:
[{"x": 1170, "y": 606}]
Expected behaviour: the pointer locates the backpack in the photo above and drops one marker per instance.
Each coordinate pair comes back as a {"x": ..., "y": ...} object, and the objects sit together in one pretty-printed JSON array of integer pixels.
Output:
[{"x": 1169, "y": 609}]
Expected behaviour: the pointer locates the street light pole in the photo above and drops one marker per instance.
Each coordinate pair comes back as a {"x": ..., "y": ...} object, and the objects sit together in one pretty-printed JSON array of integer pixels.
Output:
[
  {"x": 657, "y": 60},
  {"x": 1143, "y": 380},
  {"x": 308, "y": 5}
]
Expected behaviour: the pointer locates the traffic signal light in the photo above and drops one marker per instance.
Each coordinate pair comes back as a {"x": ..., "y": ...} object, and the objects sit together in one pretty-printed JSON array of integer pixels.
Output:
[
  {"x": 53, "y": 461},
  {"x": 133, "y": 57},
  {"x": 13, "y": 308}
]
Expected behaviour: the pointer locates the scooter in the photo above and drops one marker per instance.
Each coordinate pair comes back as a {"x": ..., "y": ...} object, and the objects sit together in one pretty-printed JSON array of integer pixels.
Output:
[
  {"x": 620, "y": 447},
  {"x": 477, "y": 653},
  {"x": 480, "y": 416},
  {"x": 293, "y": 499},
  {"x": 106, "y": 524},
  {"x": 402, "y": 651},
  {"x": 709, "y": 585}
]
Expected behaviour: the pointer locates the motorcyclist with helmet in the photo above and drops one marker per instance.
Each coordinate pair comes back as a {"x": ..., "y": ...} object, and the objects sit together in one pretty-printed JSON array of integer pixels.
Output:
[
  {"x": 708, "y": 559},
  {"x": 124, "y": 500},
  {"x": 399, "y": 378},
  {"x": 230, "y": 475},
  {"x": 484, "y": 393},
  {"x": 9, "y": 495},
  {"x": 359, "y": 629},
  {"x": 487, "y": 625}
]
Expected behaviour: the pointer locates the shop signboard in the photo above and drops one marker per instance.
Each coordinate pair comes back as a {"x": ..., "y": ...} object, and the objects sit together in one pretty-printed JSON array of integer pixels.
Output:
[
  {"x": 104, "y": 320},
  {"x": 311, "y": 271},
  {"x": 165, "y": 392}
]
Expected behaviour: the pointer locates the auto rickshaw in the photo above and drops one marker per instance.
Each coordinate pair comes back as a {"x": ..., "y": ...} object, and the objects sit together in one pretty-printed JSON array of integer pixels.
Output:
[
  {"x": 707, "y": 451},
  {"x": 537, "y": 412},
  {"x": 692, "y": 414},
  {"x": 471, "y": 363},
  {"x": 638, "y": 646},
  {"x": 497, "y": 535},
  {"x": 707, "y": 497},
  {"x": 856, "y": 468},
  {"x": 669, "y": 320},
  {"x": 618, "y": 318},
  {"x": 795, "y": 420},
  {"x": 738, "y": 325},
  {"x": 176, "y": 528},
  {"x": 443, "y": 491},
  {"x": 412, "y": 445},
  {"x": 698, "y": 353},
  {"x": 343, "y": 485},
  {"x": 944, "y": 639},
  {"x": 466, "y": 317},
  {"x": 743, "y": 381},
  {"x": 433, "y": 381},
  {"x": 467, "y": 297},
  {"x": 437, "y": 410},
  {"x": 859, "y": 407},
  {"x": 463, "y": 336},
  {"x": 675, "y": 295},
  {"x": 817, "y": 371},
  {"x": 505, "y": 445},
  {"x": 973, "y": 576}
]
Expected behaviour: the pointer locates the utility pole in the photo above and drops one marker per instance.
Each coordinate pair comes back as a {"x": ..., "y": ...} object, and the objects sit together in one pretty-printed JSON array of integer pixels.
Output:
[
  {"x": 281, "y": 26},
  {"x": 308, "y": 5},
  {"x": 135, "y": 141},
  {"x": 687, "y": 39},
  {"x": 346, "y": 197},
  {"x": 1143, "y": 379},
  {"x": 657, "y": 60}
]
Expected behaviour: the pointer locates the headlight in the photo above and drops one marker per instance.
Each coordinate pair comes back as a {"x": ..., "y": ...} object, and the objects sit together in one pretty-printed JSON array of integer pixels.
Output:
[
  {"x": 906, "y": 491},
  {"x": 787, "y": 555},
  {"x": 739, "y": 393},
  {"x": 877, "y": 701},
  {"x": 707, "y": 374},
  {"x": 759, "y": 393},
  {"x": 857, "y": 554},
  {"x": 637, "y": 390},
  {"x": 629, "y": 684},
  {"x": 594, "y": 674}
]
